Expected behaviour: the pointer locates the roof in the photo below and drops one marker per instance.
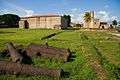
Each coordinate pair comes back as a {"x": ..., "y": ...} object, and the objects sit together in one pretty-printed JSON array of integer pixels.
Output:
[
  {"x": 103, "y": 23},
  {"x": 35, "y": 16}
]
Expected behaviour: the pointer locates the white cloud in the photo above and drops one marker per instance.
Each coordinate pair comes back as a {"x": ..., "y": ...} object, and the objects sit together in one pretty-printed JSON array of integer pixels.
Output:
[
  {"x": 15, "y": 9},
  {"x": 76, "y": 15},
  {"x": 77, "y": 18},
  {"x": 114, "y": 18},
  {"x": 74, "y": 9},
  {"x": 103, "y": 12},
  {"x": 29, "y": 12},
  {"x": 105, "y": 16}
]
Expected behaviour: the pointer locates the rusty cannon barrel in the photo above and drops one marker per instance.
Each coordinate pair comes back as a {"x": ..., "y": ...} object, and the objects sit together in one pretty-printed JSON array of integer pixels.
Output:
[
  {"x": 15, "y": 56},
  {"x": 23, "y": 69},
  {"x": 49, "y": 51}
]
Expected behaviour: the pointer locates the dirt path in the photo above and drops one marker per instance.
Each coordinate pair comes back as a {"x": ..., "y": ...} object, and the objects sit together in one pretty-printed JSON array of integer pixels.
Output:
[
  {"x": 93, "y": 57},
  {"x": 117, "y": 35},
  {"x": 99, "y": 70},
  {"x": 95, "y": 64}
]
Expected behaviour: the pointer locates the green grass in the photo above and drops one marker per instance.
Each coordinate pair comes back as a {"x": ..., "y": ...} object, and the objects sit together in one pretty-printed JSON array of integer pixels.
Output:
[{"x": 85, "y": 45}]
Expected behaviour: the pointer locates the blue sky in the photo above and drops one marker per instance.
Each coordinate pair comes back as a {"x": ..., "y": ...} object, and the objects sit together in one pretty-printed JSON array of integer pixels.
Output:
[{"x": 105, "y": 10}]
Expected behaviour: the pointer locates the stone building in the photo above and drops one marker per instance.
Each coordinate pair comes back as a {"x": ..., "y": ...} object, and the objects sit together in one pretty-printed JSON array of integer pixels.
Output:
[
  {"x": 95, "y": 23},
  {"x": 43, "y": 21}
]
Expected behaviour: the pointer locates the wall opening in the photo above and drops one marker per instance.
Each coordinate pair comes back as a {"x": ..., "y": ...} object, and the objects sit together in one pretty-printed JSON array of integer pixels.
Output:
[
  {"x": 103, "y": 27},
  {"x": 26, "y": 25}
]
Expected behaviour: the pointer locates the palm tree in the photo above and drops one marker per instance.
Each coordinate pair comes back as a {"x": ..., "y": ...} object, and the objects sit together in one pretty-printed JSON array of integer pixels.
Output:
[{"x": 87, "y": 17}]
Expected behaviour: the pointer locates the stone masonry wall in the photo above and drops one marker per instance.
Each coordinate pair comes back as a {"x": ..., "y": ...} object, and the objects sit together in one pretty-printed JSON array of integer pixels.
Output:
[{"x": 43, "y": 22}]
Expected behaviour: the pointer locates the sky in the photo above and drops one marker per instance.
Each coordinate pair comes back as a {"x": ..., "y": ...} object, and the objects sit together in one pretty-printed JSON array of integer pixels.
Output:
[{"x": 105, "y": 10}]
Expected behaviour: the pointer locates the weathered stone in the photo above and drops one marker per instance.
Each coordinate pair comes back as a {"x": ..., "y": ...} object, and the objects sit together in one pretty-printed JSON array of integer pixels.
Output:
[{"x": 44, "y": 21}]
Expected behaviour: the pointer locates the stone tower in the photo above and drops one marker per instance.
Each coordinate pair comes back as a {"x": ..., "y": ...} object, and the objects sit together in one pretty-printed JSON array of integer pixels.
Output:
[
  {"x": 92, "y": 19},
  {"x": 95, "y": 23}
]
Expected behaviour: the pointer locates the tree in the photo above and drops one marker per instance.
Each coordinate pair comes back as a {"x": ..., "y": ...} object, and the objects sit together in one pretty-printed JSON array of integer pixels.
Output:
[
  {"x": 114, "y": 23},
  {"x": 66, "y": 20},
  {"x": 0, "y": 18},
  {"x": 87, "y": 17},
  {"x": 9, "y": 19}
]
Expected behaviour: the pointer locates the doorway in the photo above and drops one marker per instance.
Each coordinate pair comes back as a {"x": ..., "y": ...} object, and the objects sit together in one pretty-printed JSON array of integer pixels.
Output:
[{"x": 26, "y": 24}]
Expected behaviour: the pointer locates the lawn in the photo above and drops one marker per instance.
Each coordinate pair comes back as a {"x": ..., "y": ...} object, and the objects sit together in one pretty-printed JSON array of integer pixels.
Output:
[{"x": 96, "y": 53}]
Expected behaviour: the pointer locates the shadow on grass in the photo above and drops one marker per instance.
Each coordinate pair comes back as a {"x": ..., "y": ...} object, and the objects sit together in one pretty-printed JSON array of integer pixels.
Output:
[
  {"x": 1, "y": 32},
  {"x": 50, "y": 36},
  {"x": 65, "y": 74},
  {"x": 116, "y": 72},
  {"x": 4, "y": 54},
  {"x": 71, "y": 57},
  {"x": 26, "y": 59},
  {"x": 70, "y": 28},
  {"x": 58, "y": 40}
]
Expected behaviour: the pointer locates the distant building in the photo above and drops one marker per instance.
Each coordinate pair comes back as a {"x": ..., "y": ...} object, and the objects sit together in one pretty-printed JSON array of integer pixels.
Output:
[
  {"x": 95, "y": 23},
  {"x": 104, "y": 25},
  {"x": 43, "y": 21}
]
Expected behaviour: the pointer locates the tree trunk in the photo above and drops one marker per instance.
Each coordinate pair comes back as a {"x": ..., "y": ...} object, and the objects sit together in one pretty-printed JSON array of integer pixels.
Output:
[{"x": 22, "y": 69}]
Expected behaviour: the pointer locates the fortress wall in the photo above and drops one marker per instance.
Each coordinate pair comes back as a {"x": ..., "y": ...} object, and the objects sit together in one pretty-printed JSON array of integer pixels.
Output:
[{"x": 42, "y": 22}]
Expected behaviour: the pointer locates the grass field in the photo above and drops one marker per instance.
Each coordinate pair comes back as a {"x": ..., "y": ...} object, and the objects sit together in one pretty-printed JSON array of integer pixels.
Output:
[{"x": 96, "y": 54}]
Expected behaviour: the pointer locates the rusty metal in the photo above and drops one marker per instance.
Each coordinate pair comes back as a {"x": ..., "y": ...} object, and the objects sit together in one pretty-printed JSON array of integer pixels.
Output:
[
  {"x": 14, "y": 54},
  {"x": 22, "y": 69},
  {"x": 49, "y": 51}
]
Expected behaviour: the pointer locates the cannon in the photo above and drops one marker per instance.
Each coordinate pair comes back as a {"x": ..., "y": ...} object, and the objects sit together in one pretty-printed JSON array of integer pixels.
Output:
[
  {"x": 14, "y": 54},
  {"x": 12, "y": 68},
  {"x": 49, "y": 51},
  {"x": 5, "y": 51}
]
